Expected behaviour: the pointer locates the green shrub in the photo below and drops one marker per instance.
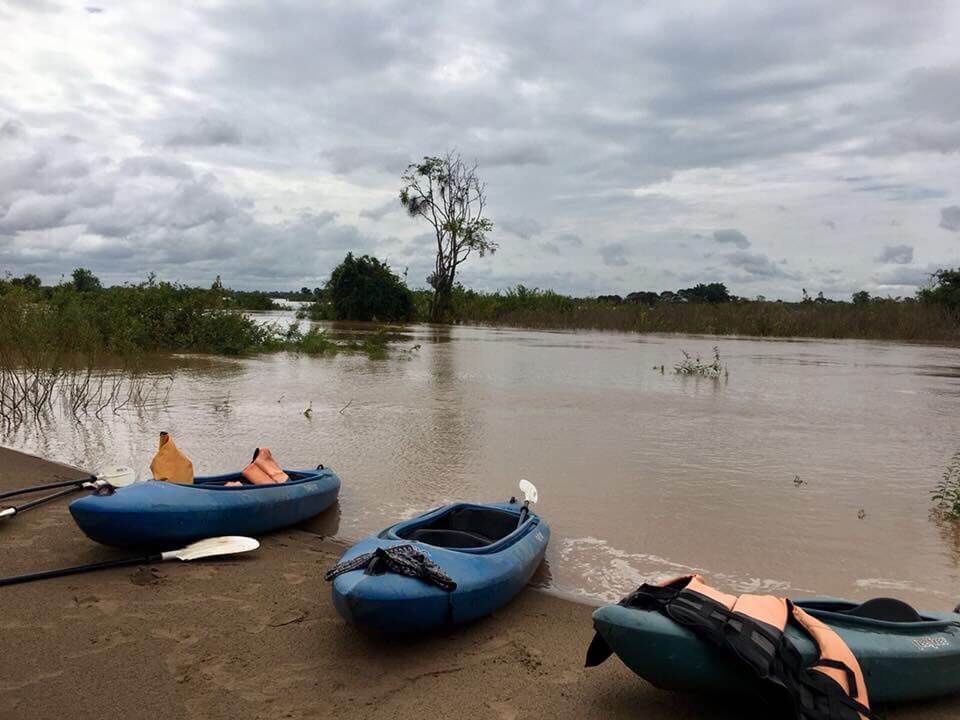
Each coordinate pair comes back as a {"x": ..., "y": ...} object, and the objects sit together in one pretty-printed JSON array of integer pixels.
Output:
[
  {"x": 364, "y": 288},
  {"x": 945, "y": 291},
  {"x": 316, "y": 342}
]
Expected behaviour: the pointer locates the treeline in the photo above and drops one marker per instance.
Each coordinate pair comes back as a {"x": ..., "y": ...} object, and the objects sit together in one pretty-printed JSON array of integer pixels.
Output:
[
  {"x": 364, "y": 288},
  {"x": 157, "y": 316}
]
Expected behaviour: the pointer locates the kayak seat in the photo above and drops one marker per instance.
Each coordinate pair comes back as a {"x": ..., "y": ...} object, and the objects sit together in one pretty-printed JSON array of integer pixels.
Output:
[
  {"x": 449, "y": 538},
  {"x": 886, "y": 609},
  {"x": 464, "y": 527}
]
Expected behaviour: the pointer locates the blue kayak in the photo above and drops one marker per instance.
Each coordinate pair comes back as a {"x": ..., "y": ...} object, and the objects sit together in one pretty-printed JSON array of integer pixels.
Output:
[
  {"x": 480, "y": 548},
  {"x": 166, "y": 515},
  {"x": 905, "y": 655}
]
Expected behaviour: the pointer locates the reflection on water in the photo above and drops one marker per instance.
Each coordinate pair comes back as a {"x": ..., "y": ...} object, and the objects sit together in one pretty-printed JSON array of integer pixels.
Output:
[{"x": 641, "y": 474}]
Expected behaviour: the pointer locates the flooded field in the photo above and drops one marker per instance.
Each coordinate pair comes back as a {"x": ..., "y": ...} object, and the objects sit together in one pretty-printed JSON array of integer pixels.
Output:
[{"x": 806, "y": 470}]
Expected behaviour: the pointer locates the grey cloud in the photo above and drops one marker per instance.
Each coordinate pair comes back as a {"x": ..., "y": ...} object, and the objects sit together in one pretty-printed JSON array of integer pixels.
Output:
[
  {"x": 571, "y": 239},
  {"x": 205, "y": 132},
  {"x": 950, "y": 218},
  {"x": 614, "y": 254},
  {"x": 157, "y": 166},
  {"x": 896, "y": 254},
  {"x": 523, "y": 227},
  {"x": 733, "y": 237},
  {"x": 551, "y": 248},
  {"x": 12, "y": 129},
  {"x": 905, "y": 276},
  {"x": 919, "y": 136},
  {"x": 380, "y": 211},
  {"x": 517, "y": 156},
  {"x": 349, "y": 159},
  {"x": 756, "y": 265},
  {"x": 901, "y": 192}
]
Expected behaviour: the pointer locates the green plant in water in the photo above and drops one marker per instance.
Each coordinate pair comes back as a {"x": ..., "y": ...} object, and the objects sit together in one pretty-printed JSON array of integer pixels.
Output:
[
  {"x": 946, "y": 494},
  {"x": 316, "y": 342},
  {"x": 694, "y": 366}
]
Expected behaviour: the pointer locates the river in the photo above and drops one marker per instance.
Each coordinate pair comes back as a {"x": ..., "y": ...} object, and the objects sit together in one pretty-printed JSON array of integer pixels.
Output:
[{"x": 806, "y": 470}]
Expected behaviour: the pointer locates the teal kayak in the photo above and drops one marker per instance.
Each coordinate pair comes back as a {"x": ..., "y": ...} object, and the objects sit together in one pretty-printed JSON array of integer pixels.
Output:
[{"x": 904, "y": 655}]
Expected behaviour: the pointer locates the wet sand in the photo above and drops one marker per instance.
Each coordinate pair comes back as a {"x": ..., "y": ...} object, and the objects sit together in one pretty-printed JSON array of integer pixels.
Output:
[{"x": 257, "y": 637}]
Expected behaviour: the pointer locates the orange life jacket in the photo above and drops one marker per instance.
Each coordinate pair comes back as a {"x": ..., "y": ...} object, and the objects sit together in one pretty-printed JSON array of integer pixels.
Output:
[
  {"x": 263, "y": 469},
  {"x": 170, "y": 464},
  {"x": 752, "y": 628}
]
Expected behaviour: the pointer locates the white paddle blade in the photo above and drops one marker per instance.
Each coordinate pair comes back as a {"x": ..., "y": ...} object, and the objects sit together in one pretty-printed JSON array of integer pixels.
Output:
[
  {"x": 118, "y": 476},
  {"x": 225, "y": 545},
  {"x": 529, "y": 491}
]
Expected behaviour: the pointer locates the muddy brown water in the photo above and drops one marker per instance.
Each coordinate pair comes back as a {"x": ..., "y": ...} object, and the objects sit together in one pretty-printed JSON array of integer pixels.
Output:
[{"x": 642, "y": 474}]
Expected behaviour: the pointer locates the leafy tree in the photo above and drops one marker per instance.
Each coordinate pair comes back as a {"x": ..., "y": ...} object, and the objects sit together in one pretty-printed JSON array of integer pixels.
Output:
[
  {"x": 364, "y": 288},
  {"x": 643, "y": 297},
  {"x": 85, "y": 281},
  {"x": 28, "y": 282},
  {"x": 448, "y": 194},
  {"x": 709, "y": 293},
  {"x": 861, "y": 297},
  {"x": 944, "y": 291}
]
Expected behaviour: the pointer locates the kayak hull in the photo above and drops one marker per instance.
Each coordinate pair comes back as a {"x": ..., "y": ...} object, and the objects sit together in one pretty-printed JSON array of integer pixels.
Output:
[
  {"x": 487, "y": 578},
  {"x": 163, "y": 515},
  {"x": 900, "y": 661}
]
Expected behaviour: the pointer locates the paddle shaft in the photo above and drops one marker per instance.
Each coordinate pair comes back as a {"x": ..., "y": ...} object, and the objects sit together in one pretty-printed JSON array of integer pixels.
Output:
[
  {"x": 524, "y": 512},
  {"x": 17, "y": 509},
  {"x": 48, "y": 486},
  {"x": 60, "y": 572}
]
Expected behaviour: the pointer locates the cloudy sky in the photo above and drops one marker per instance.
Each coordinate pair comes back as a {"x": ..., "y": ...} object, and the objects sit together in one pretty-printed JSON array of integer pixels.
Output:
[{"x": 626, "y": 146}]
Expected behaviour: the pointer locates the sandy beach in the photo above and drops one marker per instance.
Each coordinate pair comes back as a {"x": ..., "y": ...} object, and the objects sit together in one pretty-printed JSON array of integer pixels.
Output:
[{"x": 257, "y": 637}]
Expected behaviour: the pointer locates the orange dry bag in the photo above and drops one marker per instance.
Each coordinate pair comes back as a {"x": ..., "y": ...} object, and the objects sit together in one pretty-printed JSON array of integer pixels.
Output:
[{"x": 170, "y": 464}]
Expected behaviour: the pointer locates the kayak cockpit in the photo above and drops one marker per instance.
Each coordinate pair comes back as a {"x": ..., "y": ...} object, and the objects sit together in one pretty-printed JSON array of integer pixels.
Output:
[
  {"x": 461, "y": 527},
  {"x": 880, "y": 612},
  {"x": 221, "y": 481}
]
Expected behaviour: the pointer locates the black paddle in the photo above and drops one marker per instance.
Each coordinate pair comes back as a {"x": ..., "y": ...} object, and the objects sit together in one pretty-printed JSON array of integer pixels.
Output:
[
  {"x": 117, "y": 476},
  {"x": 113, "y": 477},
  {"x": 17, "y": 509},
  {"x": 227, "y": 545}
]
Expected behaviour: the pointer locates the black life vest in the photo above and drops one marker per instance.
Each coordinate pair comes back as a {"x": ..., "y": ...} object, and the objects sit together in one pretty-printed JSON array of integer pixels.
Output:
[{"x": 751, "y": 629}]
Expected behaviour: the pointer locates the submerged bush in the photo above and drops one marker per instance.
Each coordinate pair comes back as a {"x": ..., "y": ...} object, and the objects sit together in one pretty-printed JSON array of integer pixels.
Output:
[
  {"x": 946, "y": 495},
  {"x": 150, "y": 316},
  {"x": 313, "y": 342},
  {"x": 696, "y": 367}
]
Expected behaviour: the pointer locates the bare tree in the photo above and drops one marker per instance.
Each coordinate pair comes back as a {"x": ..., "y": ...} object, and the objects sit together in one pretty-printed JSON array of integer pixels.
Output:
[{"x": 447, "y": 193}]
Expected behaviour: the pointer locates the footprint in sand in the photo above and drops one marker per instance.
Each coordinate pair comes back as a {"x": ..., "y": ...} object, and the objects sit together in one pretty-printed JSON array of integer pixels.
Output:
[
  {"x": 106, "y": 643},
  {"x": 107, "y": 607},
  {"x": 144, "y": 577},
  {"x": 503, "y": 710}
]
